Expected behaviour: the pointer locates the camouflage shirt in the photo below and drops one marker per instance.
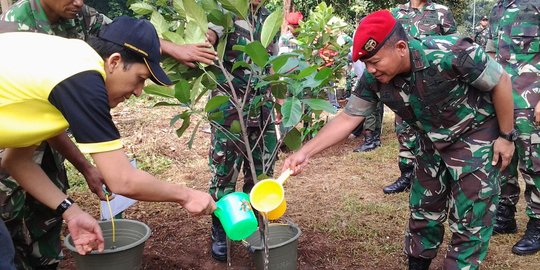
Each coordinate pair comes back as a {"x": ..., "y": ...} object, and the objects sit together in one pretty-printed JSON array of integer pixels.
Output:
[
  {"x": 241, "y": 36},
  {"x": 30, "y": 16},
  {"x": 446, "y": 97},
  {"x": 481, "y": 35},
  {"x": 515, "y": 39},
  {"x": 432, "y": 19}
]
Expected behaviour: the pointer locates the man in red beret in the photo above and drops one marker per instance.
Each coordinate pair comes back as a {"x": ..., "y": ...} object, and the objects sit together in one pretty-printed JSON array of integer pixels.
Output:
[
  {"x": 287, "y": 42},
  {"x": 459, "y": 101}
]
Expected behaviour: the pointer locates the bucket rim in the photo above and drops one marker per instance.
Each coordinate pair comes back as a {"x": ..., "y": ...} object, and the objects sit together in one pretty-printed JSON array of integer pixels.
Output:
[
  {"x": 116, "y": 250},
  {"x": 260, "y": 247}
]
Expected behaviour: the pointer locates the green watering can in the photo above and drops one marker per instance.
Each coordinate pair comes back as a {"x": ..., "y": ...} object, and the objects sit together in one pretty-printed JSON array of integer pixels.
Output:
[{"x": 235, "y": 213}]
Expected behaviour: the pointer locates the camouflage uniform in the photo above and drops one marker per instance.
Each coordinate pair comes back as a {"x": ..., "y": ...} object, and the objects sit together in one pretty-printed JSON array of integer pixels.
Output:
[
  {"x": 433, "y": 19},
  {"x": 446, "y": 98},
  {"x": 481, "y": 35},
  {"x": 227, "y": 154},
  {"x": 515, "y": 39},
  {"x": 35, "y": 228}
]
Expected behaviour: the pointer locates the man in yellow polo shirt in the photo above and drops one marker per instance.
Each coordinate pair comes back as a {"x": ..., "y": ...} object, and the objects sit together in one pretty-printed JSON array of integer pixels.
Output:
[{"x": 72, "y": 85}]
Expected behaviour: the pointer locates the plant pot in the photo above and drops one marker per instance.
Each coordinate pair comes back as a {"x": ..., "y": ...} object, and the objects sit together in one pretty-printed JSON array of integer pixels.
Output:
[
  {"x": 126, "y": 253},
  {"x": 282, "y": 247}
]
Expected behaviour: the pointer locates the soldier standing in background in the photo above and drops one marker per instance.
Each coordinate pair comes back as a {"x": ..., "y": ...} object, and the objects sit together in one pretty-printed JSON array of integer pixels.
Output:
[
  {"x": 481, "y": 32},
  {"x": 420, "y": 18},
  {"x": 515, "y": 41}
]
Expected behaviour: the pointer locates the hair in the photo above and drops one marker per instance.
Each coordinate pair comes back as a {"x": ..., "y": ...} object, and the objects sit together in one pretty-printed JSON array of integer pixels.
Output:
[
  {"x": 106, "y": 48},
  {"x": 397, "y": 35}
]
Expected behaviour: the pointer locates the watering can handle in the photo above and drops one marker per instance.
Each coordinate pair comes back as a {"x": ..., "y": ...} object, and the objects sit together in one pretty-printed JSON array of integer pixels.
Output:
[{"x": 281, "y": 179}]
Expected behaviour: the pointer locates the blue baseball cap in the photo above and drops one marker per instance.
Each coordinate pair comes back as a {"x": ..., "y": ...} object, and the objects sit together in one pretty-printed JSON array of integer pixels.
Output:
[{"x": 141, "y": 37}]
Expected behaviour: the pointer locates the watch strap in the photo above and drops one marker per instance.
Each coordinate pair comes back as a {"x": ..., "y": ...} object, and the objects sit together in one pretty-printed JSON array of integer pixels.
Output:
[{"x": 64, "y": 205}]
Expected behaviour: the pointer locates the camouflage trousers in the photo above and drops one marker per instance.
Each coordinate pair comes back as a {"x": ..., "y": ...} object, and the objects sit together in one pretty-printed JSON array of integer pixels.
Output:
[
  {"x": 468, "y": 203},
  {"x": 35, "y": 229},
  {"x": 527, "y": 160},
  {"x": 228, "y": 156},
  {"x": 373, "y": 122},
  {"x": 407, "y": 139}
]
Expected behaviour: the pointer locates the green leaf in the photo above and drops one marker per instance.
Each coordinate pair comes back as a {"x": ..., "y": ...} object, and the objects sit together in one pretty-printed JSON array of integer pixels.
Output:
[
  {"x": 194, "y": 34},
  {"x": 257, "y": 53},
  {"x": 186, "y": 116},
  {"x": 175, "y": 119},
  {"x": 291, "y": 111},
  {"x": 159, "y": 23},
  {"x": 221, "y": 46},
  {"x": 196, "y": 89},
  {"x": 242, "y": 64},
  {"x": 179, "y": 7},
  {"x": 235, "y": 127},
  {"x": 239, "y": 7},
  {"x": 278, "y": 61},
  {"x": 241, "y": 48},
  {"x": 193, "y": 134},
  {"x": 319, "y": 104},
  {"x": 290, "y": 65},
  {"x": 142, "y": 8},
  {"x": 173, "y": 37},
  {"x": 323, "y": 74},
  {"x": 209, "y": 81},
  {"x": 158, "y": 90},
  {"x": 306, "y": 72},
  {"x": 209, "y": 5},
  {"x": 279, "y": 90},
  {"x": 195, "y": 13},
  {"x": 293, "y": 139},
  {"x": 182, "y": 91},
  {"x": 271, "y": 26},
  {"x": 163, "y": 104},
  {"x": 216, "y": 116},
  {"x": 215, "y": 102}
]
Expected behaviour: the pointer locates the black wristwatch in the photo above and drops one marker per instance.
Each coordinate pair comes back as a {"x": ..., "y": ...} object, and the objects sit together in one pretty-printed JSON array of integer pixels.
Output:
[
  {"x": 64, "y": 205},
  {"x": 512, "y": 136}
]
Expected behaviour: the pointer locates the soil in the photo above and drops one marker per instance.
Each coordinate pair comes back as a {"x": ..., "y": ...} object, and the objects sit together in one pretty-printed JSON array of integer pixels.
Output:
[{"x": 335, "y": 180}]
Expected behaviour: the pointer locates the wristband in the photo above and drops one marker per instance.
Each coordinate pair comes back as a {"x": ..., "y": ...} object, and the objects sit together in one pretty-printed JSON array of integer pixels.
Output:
[{"x": 64, "y": 205}]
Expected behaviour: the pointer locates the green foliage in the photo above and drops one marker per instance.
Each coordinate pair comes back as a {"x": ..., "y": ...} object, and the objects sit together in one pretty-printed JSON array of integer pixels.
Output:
[{"x": 297, "y": 78}]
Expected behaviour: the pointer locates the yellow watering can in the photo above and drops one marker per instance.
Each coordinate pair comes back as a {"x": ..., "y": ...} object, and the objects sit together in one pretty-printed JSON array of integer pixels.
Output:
[{"x": 268, "y": 195}]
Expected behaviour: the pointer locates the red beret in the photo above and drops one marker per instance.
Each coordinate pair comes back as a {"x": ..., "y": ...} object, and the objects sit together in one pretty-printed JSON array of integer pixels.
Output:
[
  {"x": 371, "y": 33},
  {"x": 294, "y": 17}
]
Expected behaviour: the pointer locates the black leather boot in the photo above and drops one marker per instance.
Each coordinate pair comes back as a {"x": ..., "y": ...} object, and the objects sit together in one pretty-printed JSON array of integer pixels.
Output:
[
  {"x": 530, "y": 242},
  {"x": 419, "y": 263},
  {"x": 372, "y": 140},
  {"x": 403, "y": 183},
  {"x": 219, "y": 240},
  {"x": 505, "y": 221}
]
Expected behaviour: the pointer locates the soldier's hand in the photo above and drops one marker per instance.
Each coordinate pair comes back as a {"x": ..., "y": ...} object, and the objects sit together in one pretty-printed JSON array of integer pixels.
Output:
[
  {"x": 296, "y": 162},
  {"x": 199, "y": 203},
  {"x": 503, "y": 150}
]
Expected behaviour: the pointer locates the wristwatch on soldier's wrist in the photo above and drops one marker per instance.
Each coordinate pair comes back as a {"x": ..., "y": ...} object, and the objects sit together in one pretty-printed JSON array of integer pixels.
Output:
[
  {"x": 64, "y": 205},
  {"x": 511, "y": 136}
]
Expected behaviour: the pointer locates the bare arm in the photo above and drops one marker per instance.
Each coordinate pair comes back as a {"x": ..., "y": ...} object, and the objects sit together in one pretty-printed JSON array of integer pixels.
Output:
[
  {"x": 125, "y": 180},
  {"x": 69, "y": 150},
  {"x": 187, "y": 54},
  {"x": 504, "y": 108},
  {"x": 332, "y": 133},
  {"x": 83, "y": 227}
]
